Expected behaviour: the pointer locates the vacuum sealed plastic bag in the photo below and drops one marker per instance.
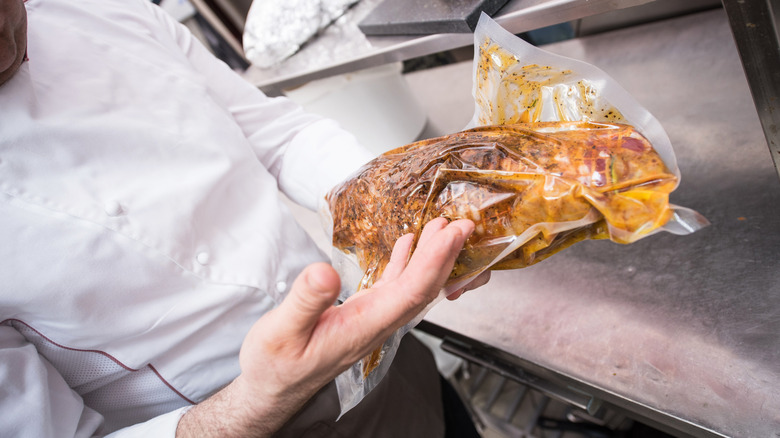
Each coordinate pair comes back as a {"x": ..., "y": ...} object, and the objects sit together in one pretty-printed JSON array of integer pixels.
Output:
[{"x": 565, "y": 155}]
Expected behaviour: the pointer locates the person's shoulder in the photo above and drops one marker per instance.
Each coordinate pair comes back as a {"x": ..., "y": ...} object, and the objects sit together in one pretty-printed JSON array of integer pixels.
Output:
[
  {"x": 123, "y": 18},
  {"x": 104, "y": 8}
]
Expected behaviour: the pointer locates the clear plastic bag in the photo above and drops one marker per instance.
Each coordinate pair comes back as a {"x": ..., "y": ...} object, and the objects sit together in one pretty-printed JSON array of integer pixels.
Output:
[{"x": 566, "y": 155}]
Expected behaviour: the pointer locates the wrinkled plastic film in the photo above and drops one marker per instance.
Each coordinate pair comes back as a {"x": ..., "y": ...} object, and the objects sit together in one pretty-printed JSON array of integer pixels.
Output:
[
  {"x": 558, "y": 153},
  {"x": 517, "y": 82},
  {"x": 546, "y": 177}
]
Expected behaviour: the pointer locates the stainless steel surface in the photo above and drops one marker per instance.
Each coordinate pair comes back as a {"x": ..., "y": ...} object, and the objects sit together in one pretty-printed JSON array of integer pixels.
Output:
[
  {"x": 685, "y": 330},
  {"x": 410, "y": 17},
  {"x": 754, "y": 24},
  {"x": 342, "y": 48},
  {"x": 575, "y": 398},
  {"x": 554, "y": 384},
  {"x": 656, "y": 10}
]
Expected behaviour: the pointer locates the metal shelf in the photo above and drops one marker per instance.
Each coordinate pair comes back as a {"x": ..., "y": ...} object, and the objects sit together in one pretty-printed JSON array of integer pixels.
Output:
[{"x": 324, "y": 56}]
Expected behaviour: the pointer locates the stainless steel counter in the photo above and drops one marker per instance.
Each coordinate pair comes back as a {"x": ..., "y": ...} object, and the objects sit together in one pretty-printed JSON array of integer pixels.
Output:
[
  {"x": 684, "y": 331},
  {"x": 342, "y": 47},
  {"x": 681, "y": 331}
]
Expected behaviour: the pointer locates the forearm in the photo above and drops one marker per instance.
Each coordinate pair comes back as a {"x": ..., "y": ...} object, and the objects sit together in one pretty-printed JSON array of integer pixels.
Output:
[{"x": 235, "y": 411}]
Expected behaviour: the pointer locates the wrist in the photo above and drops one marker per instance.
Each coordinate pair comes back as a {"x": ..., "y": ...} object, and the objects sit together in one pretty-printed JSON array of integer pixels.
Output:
[{"x": 234, "y": 411}]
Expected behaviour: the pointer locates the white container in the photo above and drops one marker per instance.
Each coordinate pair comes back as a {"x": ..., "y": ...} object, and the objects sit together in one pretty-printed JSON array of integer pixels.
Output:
[{"x": 376, "y": 105}]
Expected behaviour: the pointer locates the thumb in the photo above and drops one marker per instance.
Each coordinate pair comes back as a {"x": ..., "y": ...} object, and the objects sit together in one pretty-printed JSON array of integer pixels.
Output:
[{"x": 313, "y": 292}]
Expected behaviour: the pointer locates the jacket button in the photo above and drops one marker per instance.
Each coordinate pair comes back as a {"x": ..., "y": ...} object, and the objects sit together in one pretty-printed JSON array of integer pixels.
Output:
[
  {"x": 113, "y": 208},
  {"x": 281, "y": 286},
  {"x": 203, "y": 258}
]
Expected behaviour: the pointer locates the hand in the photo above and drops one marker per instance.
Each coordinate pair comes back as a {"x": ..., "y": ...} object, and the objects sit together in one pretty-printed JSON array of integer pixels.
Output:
[
  {"x": 294, "y": 350},
  {"x": 480, "y": 281}
]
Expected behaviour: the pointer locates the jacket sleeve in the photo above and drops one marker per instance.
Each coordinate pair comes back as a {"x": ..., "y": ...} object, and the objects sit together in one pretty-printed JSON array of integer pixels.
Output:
[
  {"x": 160, "y": 426},
  {"x": 306, "y": 153},
  {"x": 34, "y": 398},
  {"x": 36, "y": 401}
]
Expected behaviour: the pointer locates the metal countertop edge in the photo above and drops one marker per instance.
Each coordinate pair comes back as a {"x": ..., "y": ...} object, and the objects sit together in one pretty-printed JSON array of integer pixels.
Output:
[
  {"x": 516, "y": 21},
  {"x": 503, "y": 361}
]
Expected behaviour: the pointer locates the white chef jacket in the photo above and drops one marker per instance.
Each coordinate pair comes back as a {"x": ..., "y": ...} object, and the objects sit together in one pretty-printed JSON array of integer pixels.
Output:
[{"x": 140, "y": 224}]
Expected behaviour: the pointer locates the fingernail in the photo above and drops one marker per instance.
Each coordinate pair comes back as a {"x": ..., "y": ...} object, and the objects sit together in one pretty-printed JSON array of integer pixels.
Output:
[
  {"x": 317, "y": 279},
  {"x": 313, "y": 283},
  {"x": 459, "y": 240}
]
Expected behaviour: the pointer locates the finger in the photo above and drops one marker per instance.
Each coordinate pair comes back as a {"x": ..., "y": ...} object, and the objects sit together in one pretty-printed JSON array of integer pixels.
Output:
[
  {"x": 393, "y": 304},
  {"x": 434, "y": 258},
  {"x": 398, "y": 259},
  {"x": 314, "y": 291},
  {"x": 429, "y": 268},
  {"x": 400, "y": 256},
  {"x": 455, "y": 295},
  {"x": 479, "y": 281},
  {"x": 431, "y": 228}
]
